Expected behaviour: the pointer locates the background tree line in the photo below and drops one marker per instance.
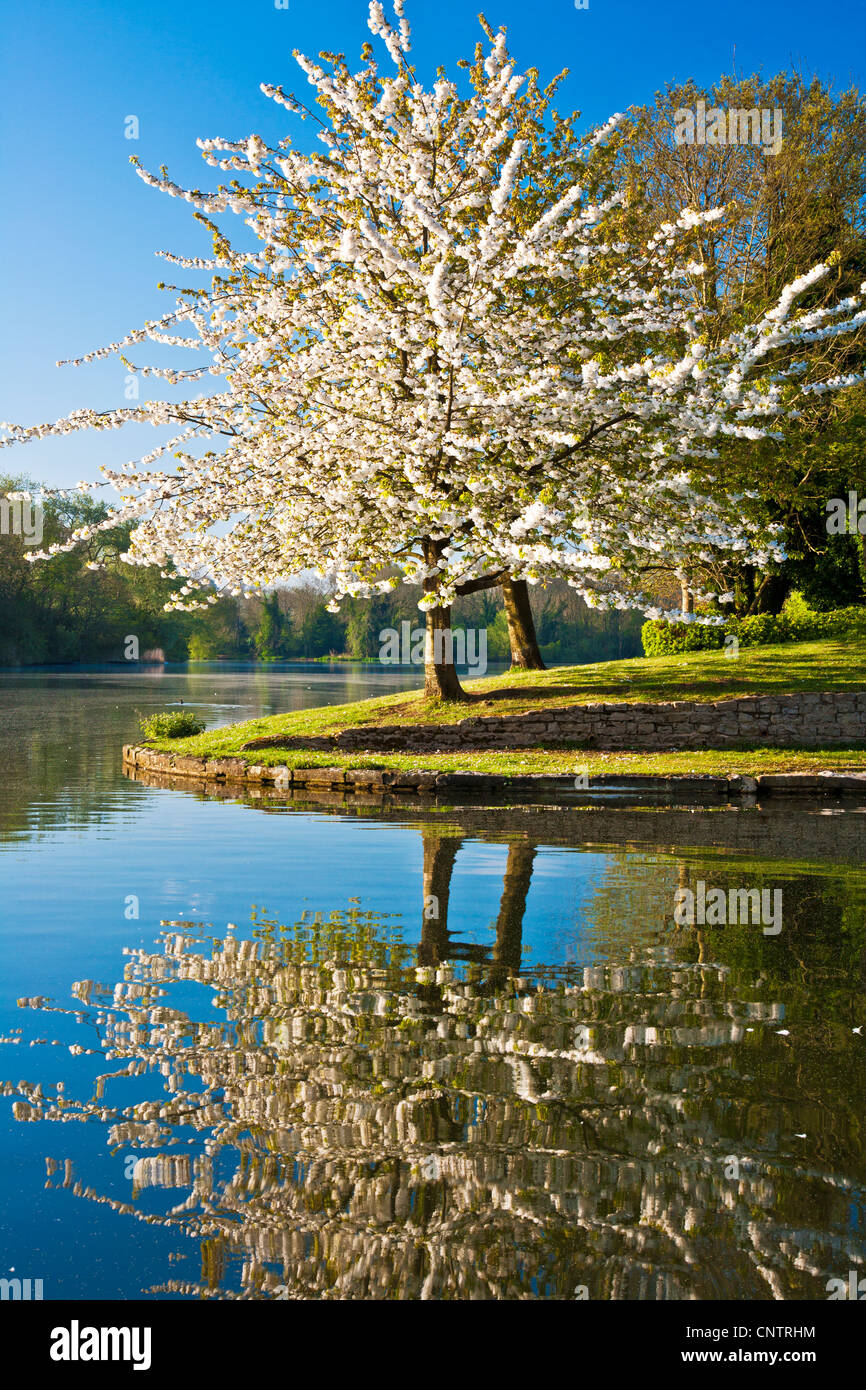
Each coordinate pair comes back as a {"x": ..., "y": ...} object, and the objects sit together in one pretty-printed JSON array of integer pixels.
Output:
[{"x": 60, "y": 611}]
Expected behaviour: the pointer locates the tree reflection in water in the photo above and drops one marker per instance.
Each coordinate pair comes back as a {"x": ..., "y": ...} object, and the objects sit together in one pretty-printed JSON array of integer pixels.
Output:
[{"x": 370, "y": 1119}]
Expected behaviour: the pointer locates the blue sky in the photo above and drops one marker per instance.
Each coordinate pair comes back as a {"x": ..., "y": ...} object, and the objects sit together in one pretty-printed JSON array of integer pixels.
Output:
[{"x": 79, "y": 230}]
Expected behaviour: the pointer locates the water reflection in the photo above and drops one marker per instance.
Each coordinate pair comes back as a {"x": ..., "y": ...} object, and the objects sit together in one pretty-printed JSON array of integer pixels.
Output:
[
  {"x": 375, "y": 1107},
  {"x": 61, "y": 730}
]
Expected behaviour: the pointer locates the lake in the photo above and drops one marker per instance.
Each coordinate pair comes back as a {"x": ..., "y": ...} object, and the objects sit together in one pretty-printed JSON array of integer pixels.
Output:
[{"x": 265, "y": 1048}]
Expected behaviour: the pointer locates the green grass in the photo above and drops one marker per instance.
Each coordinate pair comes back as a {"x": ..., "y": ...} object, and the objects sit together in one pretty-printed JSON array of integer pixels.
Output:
[
  {"x": 559, "y": 761},
  {"x": 827, "y": 665}
]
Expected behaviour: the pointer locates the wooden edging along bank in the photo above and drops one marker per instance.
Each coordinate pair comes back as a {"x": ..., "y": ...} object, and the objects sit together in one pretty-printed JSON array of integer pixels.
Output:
[{"x": 429, "y": 781}]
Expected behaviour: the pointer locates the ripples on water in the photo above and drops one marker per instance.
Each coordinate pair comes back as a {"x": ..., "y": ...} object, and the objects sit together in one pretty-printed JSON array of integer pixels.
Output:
[{"x": 460, "y": 1054}]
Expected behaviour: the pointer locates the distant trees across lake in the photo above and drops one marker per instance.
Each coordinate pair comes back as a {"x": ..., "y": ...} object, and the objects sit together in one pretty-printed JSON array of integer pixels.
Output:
[{"x": 62, "y": 611}]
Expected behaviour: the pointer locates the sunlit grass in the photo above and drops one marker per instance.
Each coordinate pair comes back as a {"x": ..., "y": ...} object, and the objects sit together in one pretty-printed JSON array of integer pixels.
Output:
[
  {"x": 558, "y": 761},
  {"x": 827, "y": 665}
]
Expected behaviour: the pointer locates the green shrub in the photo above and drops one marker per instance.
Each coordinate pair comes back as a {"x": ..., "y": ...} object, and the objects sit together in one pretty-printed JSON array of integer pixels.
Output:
[
  {"x": 839, "y": 622},
  {"x": 180, "y": 723},
  {"x": 798, "y": 624},
  {"x": 764, "y": 629},
  {"x": 661, "y": 638},
  {"x": 795, "y": 607}
]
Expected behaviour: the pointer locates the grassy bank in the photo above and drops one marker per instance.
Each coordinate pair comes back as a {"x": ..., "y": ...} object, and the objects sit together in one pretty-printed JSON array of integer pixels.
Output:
[
  {"x": 557, "y": 761},
  {"x": 827, "y": 665}
]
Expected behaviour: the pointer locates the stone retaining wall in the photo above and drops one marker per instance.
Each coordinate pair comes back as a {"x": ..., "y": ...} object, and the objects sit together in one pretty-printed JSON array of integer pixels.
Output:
[
  {"x": 528, "y": 787},
  {"x": 809, "y": 719}
]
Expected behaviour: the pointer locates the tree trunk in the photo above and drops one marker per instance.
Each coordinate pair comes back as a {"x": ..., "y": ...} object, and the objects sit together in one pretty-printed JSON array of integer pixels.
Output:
[
  {"x": 507, "y": 953},
  {"x": 770, "y": 594},
  {"x": 525, "y": 655},
  {"x": 744, "y": 590},
  {"x": 440, "y": 852},
  {"x": 441, "y": 681}
]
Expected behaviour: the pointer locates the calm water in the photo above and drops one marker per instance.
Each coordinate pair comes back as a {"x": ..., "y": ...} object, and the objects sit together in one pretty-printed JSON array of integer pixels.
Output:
[{"x": 277, "y": 1049}]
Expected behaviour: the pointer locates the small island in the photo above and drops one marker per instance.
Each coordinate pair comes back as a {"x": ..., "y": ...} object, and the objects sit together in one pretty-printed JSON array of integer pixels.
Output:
[{"x": 778, "y": 710}]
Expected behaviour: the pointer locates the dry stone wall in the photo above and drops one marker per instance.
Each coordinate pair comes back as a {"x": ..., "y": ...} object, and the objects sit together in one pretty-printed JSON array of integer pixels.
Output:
[{"x": 808, "y": 719}]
